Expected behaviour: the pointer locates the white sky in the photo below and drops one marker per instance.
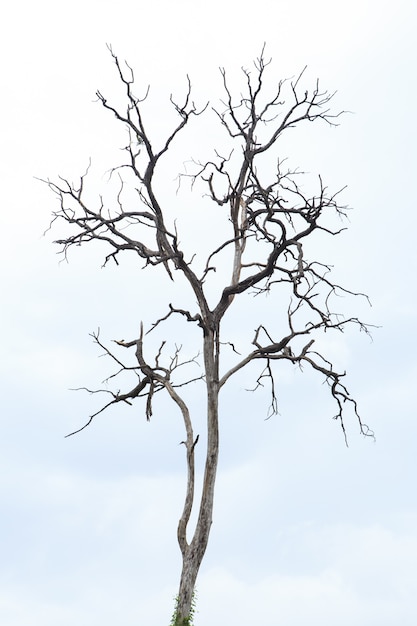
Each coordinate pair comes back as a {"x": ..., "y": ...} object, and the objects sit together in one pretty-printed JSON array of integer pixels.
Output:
[{"x": 304, "y": 529}]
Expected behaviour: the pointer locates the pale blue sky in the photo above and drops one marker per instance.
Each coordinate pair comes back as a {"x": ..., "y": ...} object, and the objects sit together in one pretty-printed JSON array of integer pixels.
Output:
[{"x": 304, "y": 528}]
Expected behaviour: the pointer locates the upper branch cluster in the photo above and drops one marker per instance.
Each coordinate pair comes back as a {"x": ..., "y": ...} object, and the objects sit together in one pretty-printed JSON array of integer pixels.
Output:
[{"x": 270, "y": 222}]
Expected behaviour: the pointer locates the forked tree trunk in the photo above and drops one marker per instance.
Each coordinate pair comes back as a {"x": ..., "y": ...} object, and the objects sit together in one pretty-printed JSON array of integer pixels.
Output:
[
  {"x": 193, "y": 553},
  {"x": 190, "y": 567}
]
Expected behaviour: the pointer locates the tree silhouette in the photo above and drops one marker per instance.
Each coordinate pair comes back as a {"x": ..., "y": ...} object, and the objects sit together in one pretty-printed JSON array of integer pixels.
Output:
[{"x": 260, "y": 249}]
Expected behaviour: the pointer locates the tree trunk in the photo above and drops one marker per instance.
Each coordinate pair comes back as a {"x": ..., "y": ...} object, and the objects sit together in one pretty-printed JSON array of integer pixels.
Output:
[
  {"x": 190, "y": 567},
  {"x": 192, "y": 554}
]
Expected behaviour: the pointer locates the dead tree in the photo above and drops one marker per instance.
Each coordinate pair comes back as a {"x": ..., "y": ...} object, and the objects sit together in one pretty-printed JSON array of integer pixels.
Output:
[{"x": 264, "y": 243}]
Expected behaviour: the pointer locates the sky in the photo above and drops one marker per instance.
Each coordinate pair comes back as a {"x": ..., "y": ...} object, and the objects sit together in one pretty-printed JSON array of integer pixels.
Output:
[{"x": 304, "y": 528}]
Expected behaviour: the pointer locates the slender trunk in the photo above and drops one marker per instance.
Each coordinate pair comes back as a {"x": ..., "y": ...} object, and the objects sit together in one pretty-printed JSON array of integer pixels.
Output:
[
  {"x": 193, "y": 553},
  {"x": 189, "y": 573}
]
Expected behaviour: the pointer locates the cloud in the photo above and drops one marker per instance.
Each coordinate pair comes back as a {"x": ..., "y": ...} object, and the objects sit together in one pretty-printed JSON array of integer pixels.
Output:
[
  {"x": 360, "y": 575},
  {"x": 305, "y": 530}
]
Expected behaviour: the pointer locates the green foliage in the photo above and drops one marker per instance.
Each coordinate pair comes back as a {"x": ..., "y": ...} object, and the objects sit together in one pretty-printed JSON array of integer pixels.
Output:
[{"x": 187, "y": 621}]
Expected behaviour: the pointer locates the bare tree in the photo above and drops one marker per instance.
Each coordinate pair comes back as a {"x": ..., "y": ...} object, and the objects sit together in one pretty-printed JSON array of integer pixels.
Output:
[{"x": 264, "y": 244}]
